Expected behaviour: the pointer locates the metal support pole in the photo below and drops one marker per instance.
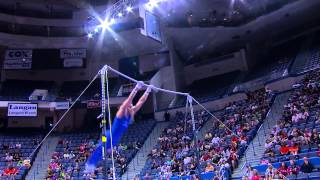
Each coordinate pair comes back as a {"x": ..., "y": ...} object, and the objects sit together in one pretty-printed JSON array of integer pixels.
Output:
[
  {"x": 264, "y": 130},
  {"x": 254, "y": 152},
  {"x": 195, "y": 132},
  {"x": 258, "y": 135}
]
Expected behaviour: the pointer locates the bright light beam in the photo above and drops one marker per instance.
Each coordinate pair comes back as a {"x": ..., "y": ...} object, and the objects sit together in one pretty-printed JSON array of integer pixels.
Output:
[{"x": 129, "y": 9}]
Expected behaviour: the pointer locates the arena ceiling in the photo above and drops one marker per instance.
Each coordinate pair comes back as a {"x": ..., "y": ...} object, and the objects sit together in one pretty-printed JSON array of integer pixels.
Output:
[
  {"x": 198, "y": 42},
  {"x": 192, "y": 43}
]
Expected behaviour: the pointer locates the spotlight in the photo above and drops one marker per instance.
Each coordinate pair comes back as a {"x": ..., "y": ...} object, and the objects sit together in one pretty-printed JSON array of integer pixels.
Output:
[
  {"x": 112, "y": 21},
  {"x": 90, "y": 35},
  {"x": 96, "y": 30},
  {"x": 120, "y": 14},
  {"x": 151, "y": 4},
  {"x": 106, "y": 23},
  {"x": 129, "y": 9}
]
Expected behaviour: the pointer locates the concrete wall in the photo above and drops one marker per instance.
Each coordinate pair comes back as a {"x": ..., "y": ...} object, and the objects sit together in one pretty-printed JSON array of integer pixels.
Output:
[
  {"x": 151, "y": 62},
  {"x": 163, "y": 79},
  {"x": 194, "y": 72},
  {"x": 284, "y": 84}
]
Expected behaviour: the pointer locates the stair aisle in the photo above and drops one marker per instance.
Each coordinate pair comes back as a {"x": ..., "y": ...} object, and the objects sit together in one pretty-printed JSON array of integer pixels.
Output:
[
  {"x": 38, "y": 170},
  {"x": 138, "y": 162},
  {"x": 256, "y": 148}
]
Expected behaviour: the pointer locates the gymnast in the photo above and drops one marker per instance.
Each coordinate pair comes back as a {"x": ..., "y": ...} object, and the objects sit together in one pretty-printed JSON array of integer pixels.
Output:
[{"x": 123, "y": 118}]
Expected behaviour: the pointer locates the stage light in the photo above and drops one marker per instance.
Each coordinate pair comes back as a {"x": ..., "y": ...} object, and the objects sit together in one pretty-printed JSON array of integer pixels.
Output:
[
  {"x": 96, "y": 30},
  {"x": 129, "y": 9},
  {"x": 151, "y": 4},
  {"x": 112, "y": 21},
  {"x": 106, "y": 23},
  {"x": 120, "y": 14},
  {"x": 90, "y": 35}
]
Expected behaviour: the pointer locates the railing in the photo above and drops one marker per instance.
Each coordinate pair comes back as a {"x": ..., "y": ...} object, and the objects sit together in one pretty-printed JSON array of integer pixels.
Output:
[{"x": 40, "y": 166}]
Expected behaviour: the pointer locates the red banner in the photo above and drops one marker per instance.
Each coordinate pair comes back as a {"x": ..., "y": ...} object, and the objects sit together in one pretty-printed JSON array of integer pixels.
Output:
[{"x": 91, "y": 104}]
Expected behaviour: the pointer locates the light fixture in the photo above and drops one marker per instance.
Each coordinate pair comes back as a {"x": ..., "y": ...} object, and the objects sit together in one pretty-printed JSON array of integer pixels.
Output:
[
  {"x": 90, "y": 35},
  {"x": 120, "y": 14},
  {"x": 129, "y": 9},
  {"x": 112, "y": 21}
]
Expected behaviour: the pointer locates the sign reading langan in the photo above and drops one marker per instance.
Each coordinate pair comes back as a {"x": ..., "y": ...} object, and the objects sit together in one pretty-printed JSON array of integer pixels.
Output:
[
  {"x": 22, "y": 109},
  {"x": 18, "y": 59}
]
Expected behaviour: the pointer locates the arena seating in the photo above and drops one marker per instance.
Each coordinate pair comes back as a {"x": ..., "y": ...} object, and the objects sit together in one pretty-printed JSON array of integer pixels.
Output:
[
  {"x": 72, "y": 89},
  {"x": 244, "y": 119},
  {"x": 71, "y": 154},
  {"x": 311, "y": 59},
  {"x": 22, "y": 89},
  {"x": 74, "y": 149},
  {"x": 15, "y": 151},
  {"x": 174, "y": 147},
  {"x": 271, "y": 71},
  {"x": 296, "y": 134}
]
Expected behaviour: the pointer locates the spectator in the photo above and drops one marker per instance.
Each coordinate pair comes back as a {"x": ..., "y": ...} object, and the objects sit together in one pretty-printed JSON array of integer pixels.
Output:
[
  {"x": 283, "y": 170},
  {"x": 293, "y": 169},
  {"x": 255, "y": 175},
  {"x": 306, "y": 167},
  {"x": 167, "y": 116},
  {"x": 8, "y": 157},
  {"x": 270, "y": 172},
  {"x": 209, "y": 167},
  {"x": 249, "y": 172}
]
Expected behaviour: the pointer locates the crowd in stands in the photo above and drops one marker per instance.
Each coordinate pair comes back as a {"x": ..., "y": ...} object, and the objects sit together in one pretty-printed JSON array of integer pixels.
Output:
[
  {"x": 296, "y": 135},
  {"x": 15, "y": 155},
  {"x": 221, "y": 149},
  {"x": 219, "y": 152},
  {"x": 70, "y": 156},
  {"x": 175, "y": 152},
  {"x": 73, "y": 150}
]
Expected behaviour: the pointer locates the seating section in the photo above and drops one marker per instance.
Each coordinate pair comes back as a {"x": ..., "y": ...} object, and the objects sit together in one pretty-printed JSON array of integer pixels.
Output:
[
  {"x": 219, "y": 152},
  {"x": 175, "y": 148},
  {"x": 271, "y": 71},
  {"x": 297, "y": 133},
  {"x": 71, "y": 154},
  {"x": 15, "y": 152},
  {"x": 310, "y": 60},
  {"x": 22, "y": 89},
  {"x": 221, "y": 149},
  {"x": 74, "y": 149},
  {"x": 130, "y": 143},
  {"x": 72, "y": 89}
]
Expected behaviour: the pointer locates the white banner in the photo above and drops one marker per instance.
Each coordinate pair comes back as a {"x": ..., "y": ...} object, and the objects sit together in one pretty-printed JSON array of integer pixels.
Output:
[
  {"x": 73, "y": 53},
  {"x": 18, "y": 54},
  {"x": 17, "y": 64},
  {"x": 22, "y": 110},
  {"x": 62, "y": 105},
  {"x": 73, "y": 62},
  {"x": 18, "y": 59}
]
